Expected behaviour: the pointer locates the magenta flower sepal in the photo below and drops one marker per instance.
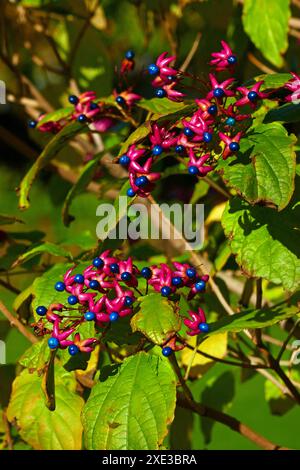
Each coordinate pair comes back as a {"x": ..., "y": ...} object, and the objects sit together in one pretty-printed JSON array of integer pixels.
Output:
[
  {"x": 85, "y": 345},
  {"x": 199, "y": 163},
  {"x": 216, "y": 87},
  {"x": 223, "y": 60},
  {"x": 196, "y": 320},
  {"x": 163, "y": 63},
  {"x": 293, "y": 85},
  {"x": 231, "y": 144},
  {"x": 251, "y": 96},
  {"x": 163, "y": 137}
]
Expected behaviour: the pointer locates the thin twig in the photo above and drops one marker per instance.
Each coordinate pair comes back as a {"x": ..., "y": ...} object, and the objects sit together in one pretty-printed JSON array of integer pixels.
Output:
[
  {"x": 264, "y": 68},
  {"x": 191, "y": 53},
  {"x": 286, "y": 341},
  {"x": 15, "y": 322}
]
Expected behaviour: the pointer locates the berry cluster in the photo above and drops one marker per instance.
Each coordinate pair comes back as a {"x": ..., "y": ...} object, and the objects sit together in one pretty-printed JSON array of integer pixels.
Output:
[
  {"x": 212, "y": 131},
  {"x": 105, "y": 291}
]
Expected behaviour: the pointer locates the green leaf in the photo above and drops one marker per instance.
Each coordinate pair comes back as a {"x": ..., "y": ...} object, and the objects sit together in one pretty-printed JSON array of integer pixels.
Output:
[
  {"x": 265, "y": 243},
  {"x": 41, "y": 428},
  {"x": 264, "y": 170},
  {"x": 266, "y": 23},
  {"x": 251, "y": 319},
  {"x": 9, "y": 219},
  {"x": 160, "y": 105},
  {"x": 271, "y": 80},
  {"x": 156, "y": 319},
  {"x": 49, "y": 248},
  {"x": 49, "y": 152},
  {"x": 56, "y": 115},
  {"x": 36, "y": 356},
  {"x": 132, "y": 408},
  {"x": 43, "y": 287},
  {"x": 85, "y": 177},
  {"x": 136, "y": 136},
  {"x": 287, "y": 113}
]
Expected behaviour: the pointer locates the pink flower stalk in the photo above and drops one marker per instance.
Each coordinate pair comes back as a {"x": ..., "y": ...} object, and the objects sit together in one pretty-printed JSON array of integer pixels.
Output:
[
  {"x": 197, "y": 319},
  {"x": 235, "y": 113},
  {"x": 251, "y": 96},
  {"x": 197, "y": 125},
  {"x": 51, "y": 126},
  {"x": 219, "y": 90},
  {"x": 223, "y": 60}
]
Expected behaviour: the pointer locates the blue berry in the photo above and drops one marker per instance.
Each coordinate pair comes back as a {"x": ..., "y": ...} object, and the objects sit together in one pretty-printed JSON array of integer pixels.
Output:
[
  {"x": 53, "y": 343},
  {"x": 72, "y": 299},
  {"x": 73, "y": 99},
  {"x": 218, "y": 92},
  {"x": 232, "y": 59},
  {"x": 230, "y": 121},
  {"x": 41, "y": 310},
  {"x": 212, "y": 109},
  {"x": 146, "y": 273},
  {"x": 203, "y": 327},
  {"x": 141, "y": 181},
  {"x": 130, "y": 192},
  {"x": 160, "y": 93},
  {"x": 89, "y": 316},
  {"x": 59, "y": 286},
  {"x": 94, "y": 284},
  {"x": 157, "y": 150},
  {"x": 179, "y": 148},
  {"x": 207, "y": 137},
  {"x": 167, "y": 351},
  {"x": 252, "y": 96},
  {"x": 124, "y": 160},
  {"x": 128, "y": 301},
  {"x": 129, "y": 54},
  {"x": 98, "y": 263},
  {"x": 165, "y": 291},
  {"x": 126, "y": 276},
  {"x": 153, "y": 69},
  {"x": 193, "y": 170},
  {"x": 176, "y": 281},
  {"x": 200, "y": 286},
  {"x": 79, "y": 278},
  {"x": 114, "y": 316},
  {"x": 94, "y": 106},
  {"x": 32, "y": 123},
  {"x": 120, "y": 100},
  {"x": 114, "y": 267},
  {"x": 73, "y": 349},
  {"x": 191, "y": 272},
  {"x": 82, "y": 118},
  {"x": 188, "y": 132},
  {"x": 234, "y": 146}
]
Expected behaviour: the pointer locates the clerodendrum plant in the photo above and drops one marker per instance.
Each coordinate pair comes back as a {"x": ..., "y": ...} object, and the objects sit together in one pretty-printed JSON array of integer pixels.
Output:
[{"x": 121, "y": 339}]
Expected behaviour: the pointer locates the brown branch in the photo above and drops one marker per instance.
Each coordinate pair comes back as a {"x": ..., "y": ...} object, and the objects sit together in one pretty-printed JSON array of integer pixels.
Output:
[
  {"x": 260, "y": 65},
  {"x": 8, "y": 286},
  {"x": 286, "y": 341},
  {"x": 229, "y": 421},
  {"x": 16, "y": 323}
]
